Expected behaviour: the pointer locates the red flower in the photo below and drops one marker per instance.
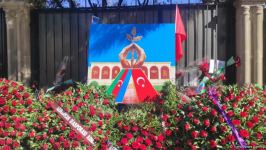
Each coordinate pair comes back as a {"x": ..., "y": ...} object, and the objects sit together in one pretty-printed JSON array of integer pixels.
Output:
[
  {"x": 224, "y": 107},
  {"x": 126, "y": 128},
  {"x": 243, "y": 114},
  {"x": 168, "y": 132},
  {"x": 213, "y": 144},
  {"x": 213, "y": 129},
  {"x": 158, "y": 145},
  {"x": 6, "y": 108},
  {"x": 196, "y": 121},
  {"x": 105, "y": 102},
  {"x": 142, "y": 147},
  {"x": 206, "y": 122},
  {"x": 214, "y": 112},
  {"x": 160, "y": 138},
  {"x": 187, "y": 126},
  {"x": 29, "y": 102},
  {"x": 139, "y": 139},
  {"x": 129, "y": 135},
  {"x": 255, "y": 119},
  {"x": 8, "y": 141},
  {"x": 259, "y": 135},
  {"x": 66, "y": 144},
  {"x": 244, "y": 133},
  {"x": 194, "y": 134},
  {"x": 230, "y": 113},
  {"x": 2, "y": 101},
  {"x": 124, "y": 141},
  {"x": 2, "y": 142},
  {"x": 203, "y": 133},
  {"x": 165, "y": 117},
  {"x": 32, "y": 134},
  {"x": 205, "y": 109},
  {"x": 86, "y": 96},
  {"x": 75, "y": 144},
  {"x": 92, "y": 110},
  {"x": 236, "y": 122},
  {"x": 126, "y": 148},
  {"x": 250, "y": 124},
  {"x": 135, "y": 145},
  {"x": 230, "y": 138},
  {"x": 75, "y": 108},
  {"x": 148, "y": 142},
  {"x": 135, "y": 128}
]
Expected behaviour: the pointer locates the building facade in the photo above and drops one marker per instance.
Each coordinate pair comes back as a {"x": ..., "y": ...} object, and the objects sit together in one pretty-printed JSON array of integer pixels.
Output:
[{"x": 105, "y": 72}]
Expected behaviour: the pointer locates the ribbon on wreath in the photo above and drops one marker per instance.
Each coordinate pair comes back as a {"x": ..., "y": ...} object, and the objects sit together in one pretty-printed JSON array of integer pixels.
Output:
[
  {"x": 240, "y": 140},
  {"x": 68, "y": 119}
]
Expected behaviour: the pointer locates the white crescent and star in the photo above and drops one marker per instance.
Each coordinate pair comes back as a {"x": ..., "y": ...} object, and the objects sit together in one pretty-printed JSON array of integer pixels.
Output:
[
  {"x": 121, "y": 82},
  {"x": 140, "y": 78}
]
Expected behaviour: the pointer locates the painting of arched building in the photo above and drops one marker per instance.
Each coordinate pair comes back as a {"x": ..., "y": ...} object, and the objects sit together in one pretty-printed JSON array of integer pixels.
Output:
[{"x": 156, "y": 72}]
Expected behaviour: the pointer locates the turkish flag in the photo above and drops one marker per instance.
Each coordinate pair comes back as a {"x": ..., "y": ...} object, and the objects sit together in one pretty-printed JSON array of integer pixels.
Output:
[
  {"x": 180, "y": 34},
  {"x": 145, "y": 90}
]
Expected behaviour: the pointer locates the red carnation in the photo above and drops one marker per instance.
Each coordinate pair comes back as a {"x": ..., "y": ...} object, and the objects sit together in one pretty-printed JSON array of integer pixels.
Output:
[
  {"x": 203, "y": 133},
  {"x": 243, "y": 114},
  {"x": 255, "y": 119},
  {"x": 92, "y": 110},
  {"x": 187, "y": 126},
  {"x": 123, "y": 141},
  {"x": 205, "y": 109},
  {"x": 206, "y": 122},
  {"x": 148, "y": 142},
  {"x": 236, "y": 122},
  {"x": 213, "y": 144},
  {"x": 259, "y": 135},
  {"x": 214, "y": 112},
  {"x": 196, "y": 121},
  {"x": 75, "y": 108},
  {"x": 135, "y": 145},
  {"x": 86, "y": 96},
  {"x": 2, "y": 101},
  {"x": 129, "y": 135},
  {"x": 15, "y": 144},
  {"x": 142, "y": 147},
  {"x": 29, "y": 102},
  {"x": 158, "y": 145},
  {"x": 160, "y": 138},
  {"x": 168, "y": 132},
  {"x": 8, "y": 141},
  {"x": 230, "y": 113},
  {"x": 105, "y": 102},
  {"x": 194, "y": 134},
  {"x": 250, "y": 124},
  {"x": 75, "y": 144},
  {"x": 230, "y": 138},
  {"x": 139, "y": 139},
  {"x": 244, "y": 133},
  {"x": 6, "y": 108},
  {"x": 213, "y": 129},
  {"x": 66, "y": 144},
  {"x": 32, "y": 134},
  {"x": 135, "y": 128}
]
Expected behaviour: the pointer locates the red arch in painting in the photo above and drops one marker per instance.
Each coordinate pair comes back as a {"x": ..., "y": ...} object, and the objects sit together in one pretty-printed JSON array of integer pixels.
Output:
[
  {"x": 145, "y": 70},
  {"x": 154, "y": 72},
  {"x": 164, "y": 72},
  {"x": 105, "y": 72},
  {"x": 95, "y": 74},
  {"x": 115, "y": 71}
]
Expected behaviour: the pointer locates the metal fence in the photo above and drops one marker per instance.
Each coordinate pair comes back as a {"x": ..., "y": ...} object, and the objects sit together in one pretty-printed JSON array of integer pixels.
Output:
[
  {"x": 64, "y": 32},
  {"x": 3, "y": 51}
]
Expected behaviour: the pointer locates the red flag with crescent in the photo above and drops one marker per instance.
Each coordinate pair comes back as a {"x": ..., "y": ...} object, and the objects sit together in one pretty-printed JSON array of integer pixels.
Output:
[{"x": 145, "y": 90}]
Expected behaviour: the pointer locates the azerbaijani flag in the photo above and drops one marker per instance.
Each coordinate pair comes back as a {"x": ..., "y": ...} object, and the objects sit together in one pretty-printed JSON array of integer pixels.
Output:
[{"x": 180, "y": 34}]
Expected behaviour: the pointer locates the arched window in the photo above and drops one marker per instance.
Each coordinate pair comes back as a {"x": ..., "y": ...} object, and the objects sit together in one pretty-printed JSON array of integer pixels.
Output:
[
  {"x": 115, "y": 71},
  {"x": 105, "y": 72},
  {"x": 154, "y": 72},
  {"x": 95, "y": 72},
  {"x": 164, "y": 72},
  {"x": 145, "y": 70}
]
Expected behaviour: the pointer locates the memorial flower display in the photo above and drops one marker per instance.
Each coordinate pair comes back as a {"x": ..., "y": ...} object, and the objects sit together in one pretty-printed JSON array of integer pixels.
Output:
[{"x": 28, "y": 121}]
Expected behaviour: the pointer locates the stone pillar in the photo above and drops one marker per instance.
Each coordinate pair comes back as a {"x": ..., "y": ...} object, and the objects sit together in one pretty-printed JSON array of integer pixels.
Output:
[
  {"x": 258, "y": 44},
  {"x": 17, "y": 14},
  {"x": 247, "y": 43},
  {"x": 249, "y": 40}
]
